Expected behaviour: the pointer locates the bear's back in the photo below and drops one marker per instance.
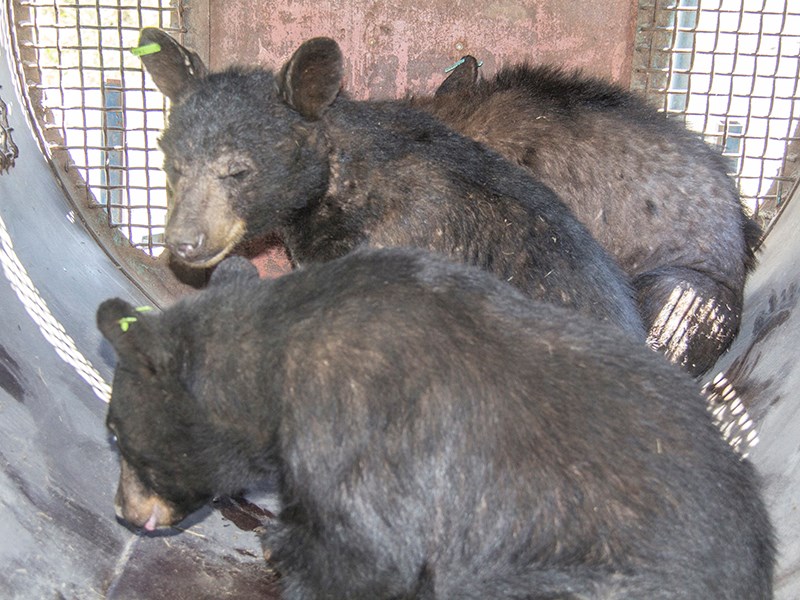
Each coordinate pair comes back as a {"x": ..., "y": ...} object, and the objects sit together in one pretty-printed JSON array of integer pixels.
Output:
[{"x": 465, "y": 412}]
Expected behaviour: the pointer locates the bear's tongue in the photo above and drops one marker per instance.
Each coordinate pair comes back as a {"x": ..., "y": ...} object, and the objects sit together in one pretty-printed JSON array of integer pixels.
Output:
[{"x": 153, "y": 520}]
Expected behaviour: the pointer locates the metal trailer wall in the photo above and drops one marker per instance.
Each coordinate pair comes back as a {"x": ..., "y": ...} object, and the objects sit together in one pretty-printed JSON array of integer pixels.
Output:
[
  {"x": 58, "y": 535},
  {"x": 393, "y": 47}
]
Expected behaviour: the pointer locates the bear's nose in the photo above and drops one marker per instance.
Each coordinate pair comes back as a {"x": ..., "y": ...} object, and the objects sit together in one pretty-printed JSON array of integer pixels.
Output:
[{"x": 187, "y": 248}]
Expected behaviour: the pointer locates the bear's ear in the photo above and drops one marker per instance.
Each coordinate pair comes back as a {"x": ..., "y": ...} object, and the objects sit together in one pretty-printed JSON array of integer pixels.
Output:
[
  {"x": 462, "y": 78},
  {"x": 174, "y": 69},
  {"x": 233, "y": 268},
  {"x": 126, "y": 329},
  {"x": 311, "y": 80}
]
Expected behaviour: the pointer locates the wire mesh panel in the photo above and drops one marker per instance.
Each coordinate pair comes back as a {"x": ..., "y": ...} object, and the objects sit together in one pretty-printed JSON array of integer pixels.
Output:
[
  {"x": 99, "y": 113},
  {"x": 730, "y": 69}
]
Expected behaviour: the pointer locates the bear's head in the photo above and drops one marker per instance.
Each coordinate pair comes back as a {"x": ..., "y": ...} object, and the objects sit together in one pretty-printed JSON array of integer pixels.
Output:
[
  {"x": 167, "y": 443},
  {"x": 241, "y": 148}
]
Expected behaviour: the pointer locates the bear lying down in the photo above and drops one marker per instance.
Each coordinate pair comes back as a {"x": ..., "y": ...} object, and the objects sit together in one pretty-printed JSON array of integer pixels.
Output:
[{"x": 435, "y": 434}]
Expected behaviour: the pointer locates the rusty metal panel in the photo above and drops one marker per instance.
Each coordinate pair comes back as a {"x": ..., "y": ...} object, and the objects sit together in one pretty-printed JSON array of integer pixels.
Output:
[{"x": 393, "y": 48}]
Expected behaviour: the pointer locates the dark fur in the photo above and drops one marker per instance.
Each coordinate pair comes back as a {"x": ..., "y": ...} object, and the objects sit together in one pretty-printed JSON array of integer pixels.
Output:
[
  {"x": 286, "y": 154},
  {"x": 653, "y": 194},
  {"x": 436, "y": 435}
]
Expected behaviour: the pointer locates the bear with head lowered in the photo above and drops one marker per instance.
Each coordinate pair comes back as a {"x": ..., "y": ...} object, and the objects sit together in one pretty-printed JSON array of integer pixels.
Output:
[{"x": 434, "y": 434}]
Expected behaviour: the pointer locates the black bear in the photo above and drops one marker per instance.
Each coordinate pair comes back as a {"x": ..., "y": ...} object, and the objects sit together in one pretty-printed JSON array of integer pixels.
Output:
[
  {"x": 248, "y": 152},
  {"x": 434, "y": 434},
  {"x": 654, "y": 195}
]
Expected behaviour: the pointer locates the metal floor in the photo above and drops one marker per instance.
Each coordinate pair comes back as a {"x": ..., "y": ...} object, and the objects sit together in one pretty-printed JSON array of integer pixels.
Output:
[{"x": 58, "y": 534}]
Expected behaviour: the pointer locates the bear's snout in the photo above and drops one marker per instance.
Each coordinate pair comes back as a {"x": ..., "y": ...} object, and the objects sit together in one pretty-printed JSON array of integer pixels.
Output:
[{"x": 137, "y": 505}]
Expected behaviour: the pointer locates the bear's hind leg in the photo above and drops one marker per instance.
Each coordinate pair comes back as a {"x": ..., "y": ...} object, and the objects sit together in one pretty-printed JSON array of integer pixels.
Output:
[{"x": 690, "y": 317}]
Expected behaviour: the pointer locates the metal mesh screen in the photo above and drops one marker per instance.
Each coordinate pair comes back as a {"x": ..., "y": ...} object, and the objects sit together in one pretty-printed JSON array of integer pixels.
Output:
[
  {"x": 99, "y": 113},
  {"x": 730, "y": 69}
]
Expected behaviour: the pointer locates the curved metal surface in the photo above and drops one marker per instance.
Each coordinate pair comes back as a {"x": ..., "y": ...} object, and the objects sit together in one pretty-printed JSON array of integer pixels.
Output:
[
  {"x": 58, "y": 534},
  {"x": 762, "y": 364}
]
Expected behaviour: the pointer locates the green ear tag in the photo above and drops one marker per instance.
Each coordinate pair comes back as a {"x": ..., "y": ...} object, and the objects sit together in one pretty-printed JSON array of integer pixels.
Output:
[
  {"x": 146, "y": 49},
  {"x": 145, "y": 308},
  {"x": 453, "y": 67},
  {"x": 125, "y": 323}
]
